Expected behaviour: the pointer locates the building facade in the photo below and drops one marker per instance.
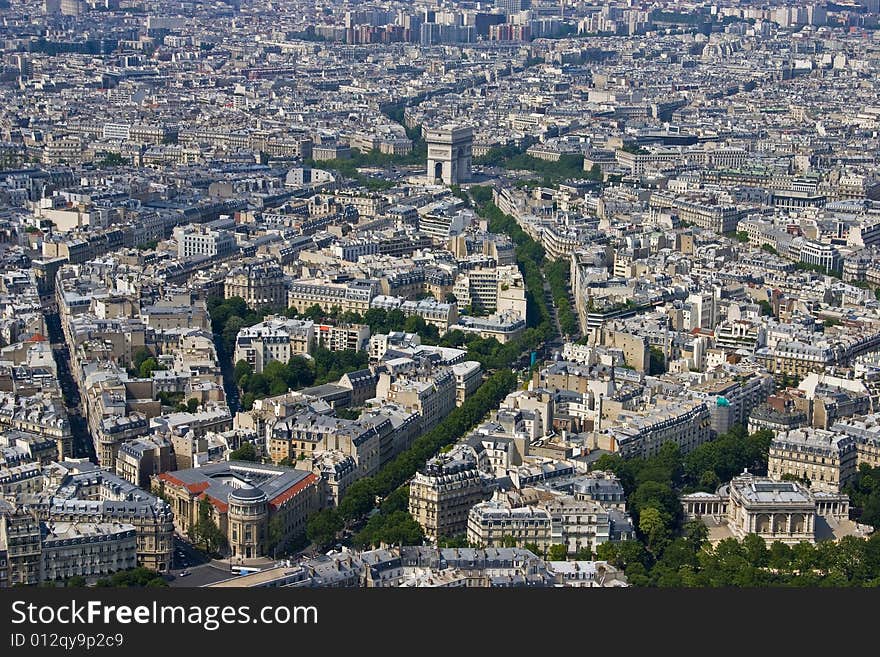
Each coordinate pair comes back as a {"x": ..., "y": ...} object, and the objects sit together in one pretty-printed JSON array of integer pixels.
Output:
[
  {"x": 244, "y": 499},
  {"x": 443, "y": 492}
]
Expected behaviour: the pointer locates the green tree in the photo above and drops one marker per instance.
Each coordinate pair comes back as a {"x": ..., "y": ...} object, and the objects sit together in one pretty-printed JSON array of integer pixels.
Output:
[
  {"x": 206, "y": 531},
  {"x": 230, "y": 332},
  {"x": 134, "y": 577},
  {"x": 246, "y": 452},
  {"x": 139, "y": 357},
  {"x": 654, "y": 528},
  {"x": 77, "y": 581},
  {"x": 557, "y": 552},
  {"x": 622, "y": 554},
  {"x": 756, "y": 550},
  {"x": 192, "y": 405},
  {"x": 657, "y": 362},
  {"x": 149, "y": 366},
  {"x": 696, "y": 534},
  {"x": 533, "y": 548},
  {"x": 583, "y": 554},
  {"x": 242, "y": 369},
  {"x": 323, "y": 526}
]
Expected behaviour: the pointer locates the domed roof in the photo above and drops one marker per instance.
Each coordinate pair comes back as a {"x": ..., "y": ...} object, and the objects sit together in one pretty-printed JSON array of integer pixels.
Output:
[{"x": 247, "y": 493}]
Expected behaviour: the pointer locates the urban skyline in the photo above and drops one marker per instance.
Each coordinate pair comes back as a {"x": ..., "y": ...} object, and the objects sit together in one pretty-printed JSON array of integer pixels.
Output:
[{"x": 439, "y": 293}]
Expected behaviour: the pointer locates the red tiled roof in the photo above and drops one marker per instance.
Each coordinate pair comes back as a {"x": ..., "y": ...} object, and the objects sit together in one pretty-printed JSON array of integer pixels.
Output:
[
  {"x": 171, "y": 479},
  {"x": 198, "y": 487},
  {"x": 293, "y": 490},
  {"x": 37, "y": 337}
]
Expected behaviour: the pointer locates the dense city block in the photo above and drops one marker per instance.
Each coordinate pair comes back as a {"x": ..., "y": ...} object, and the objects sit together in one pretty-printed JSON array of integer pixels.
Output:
[{"x": 442, "y": 293}]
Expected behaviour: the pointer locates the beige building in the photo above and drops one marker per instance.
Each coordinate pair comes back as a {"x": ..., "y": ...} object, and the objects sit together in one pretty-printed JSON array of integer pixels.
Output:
[
  {"x": 274, "y": 339},
  {"x": 344, "y": 336},
  {"x": 139, "y": 459},
  {"x": 827, "y": 459},
  {"x": 541, "y": 517},
  {"x": 245, "y": 498},
  {"x": 468, "y": 377},
  {"x": 20, "y": 544},
  {"x": 259, "y": 282},
  {"x": 307, "y": 434},
  {"x": 491, "y": 523},
  {"x": 785, "y": 511},
  {"x": 89, "y": 550},
  {"x": 642, "y": 434},
  {"x": 80, "y": 492},
  {"x": 443, "y": 492},
  {"x": 353, "y": 296},
  {"x": 432, "y": 396}
]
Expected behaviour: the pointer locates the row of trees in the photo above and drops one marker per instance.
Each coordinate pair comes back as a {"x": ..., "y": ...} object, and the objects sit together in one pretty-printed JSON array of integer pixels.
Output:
[
  {"x": 135, "y": 577},
  {"x": 558, "y": 274},
  {"x": 361, "y": 496},
  {"x": 864, "y": 494},
  {"x": 392, "y": 525},
  {"x": 529, "y": 257},
  {"x": 348, "y": 167},
  {"x": 690, "y": 561}
]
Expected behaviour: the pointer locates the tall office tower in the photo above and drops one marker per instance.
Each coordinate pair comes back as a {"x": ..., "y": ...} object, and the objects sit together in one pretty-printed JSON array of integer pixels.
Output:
[
  {"x": 72, "y": 7},
  {"x": 509, "y": 7},
  {"x": 449, "y": 153},
  {"x": 817, "y": 15}
]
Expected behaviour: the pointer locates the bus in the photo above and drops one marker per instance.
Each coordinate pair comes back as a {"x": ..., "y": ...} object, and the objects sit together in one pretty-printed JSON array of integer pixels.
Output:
[{"x": 244, "y": 570}]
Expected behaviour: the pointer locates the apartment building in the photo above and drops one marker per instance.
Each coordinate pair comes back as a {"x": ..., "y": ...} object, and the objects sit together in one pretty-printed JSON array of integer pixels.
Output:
[
  {"x": 80, "y": 492},
  {"x": 307, "y": 434},
  {"x": 201, "y": 240},
  {"x": 442, "y": 493},
  {"x": 351, "y": 296},
  {"x": 826, "y": 458},
  {"x": 492, "y": 523},
  {"x": 686, "y": 424},
  {"x": 260, "y": 282},
  {"x": 342, "y": 337},
  {"x": 276, "y": 338},
  {"x": 468, "y": 377}
]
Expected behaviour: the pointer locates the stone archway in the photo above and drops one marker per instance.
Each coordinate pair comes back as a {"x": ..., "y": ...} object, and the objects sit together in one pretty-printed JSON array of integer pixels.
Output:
[
  {"x": 780, "y": 524},
  {"x": 762, "y": 524},
  {"x": 798, "y": 523}
]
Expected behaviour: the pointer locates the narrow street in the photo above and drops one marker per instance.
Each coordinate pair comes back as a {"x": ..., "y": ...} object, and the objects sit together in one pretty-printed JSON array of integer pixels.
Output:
[
  {"x": 227, "y": 369},
  {"x": 82, "y": 439}
]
